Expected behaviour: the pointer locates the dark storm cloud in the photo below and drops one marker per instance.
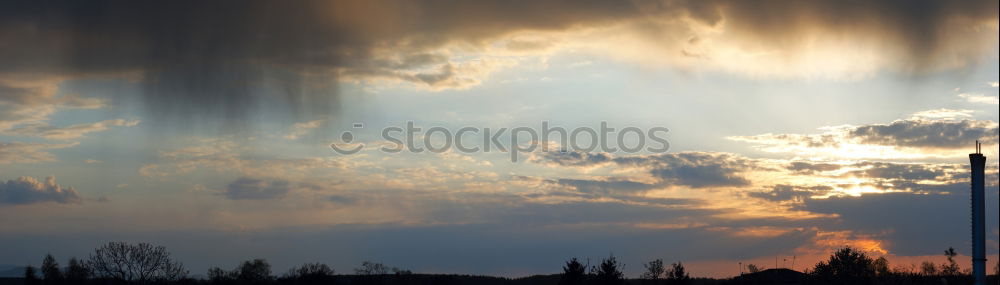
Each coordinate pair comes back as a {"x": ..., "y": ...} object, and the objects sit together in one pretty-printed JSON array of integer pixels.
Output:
[
  {"x": 918, "y": 134},
  {"x": 248, "y": 188},
  {"x": 933, "y": 134},
  {"x": 592, "y": 212},
  {"x": 915, "y": 177},
  {"x": 614, "y": 186},
  {"x": 888, "y": 170},
  {"x": 222, "y": 59},
  {"x": 780, "y": 193},
  {"x": 27, "y": 190},
  {"x": 920, "y": 28},
  {"x": 691, "y": 169},
  {"x": 883, "y": 170},
  {"x": 811, "y": 167},
  {"x": 534, "y": 209},
  {"x": 915, "y": 224}
]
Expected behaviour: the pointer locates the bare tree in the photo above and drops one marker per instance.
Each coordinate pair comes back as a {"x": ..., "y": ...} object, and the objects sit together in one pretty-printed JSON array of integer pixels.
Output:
[
  {"x": 654, "y": 269},
  {"x": 753, "y": 268},
  {"x": 311, "y": 273},
  {"x": 50, "y": 270},
  {"x": 249, "y": 272},
  {"x": 677, "y": 274},
  {"x": 928, "y": 268},
  {"x": 951, "y": 268},
  {"x": 139, "y": 263},
  {"x": 76, "y": 271},
  {"x": 219, "y": 275},
  {"x": 372, "y": 268}
]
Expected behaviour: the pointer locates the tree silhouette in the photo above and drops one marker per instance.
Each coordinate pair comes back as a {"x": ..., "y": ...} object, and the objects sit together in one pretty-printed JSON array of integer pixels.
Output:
[
  {"x": 50, "y": 270},
  {"x": 219, "y": 275},
  {"x": 951, "y": 268},
  {"x": 311, "y": 273},
  {"x": 573, "y": 273},
  {"x": 928, "y": 268},
  {"x": 398, "y": 271},
  {"x": 881, "y": 267},
  {"x": 753, "y": 268},
  {"x": 677, "y": 274},
  {"x": 254, "y": 271},
  {"x": 847, "y": 266},
  {"x": 608, "y": 272},
  {"x": 76, "y": 271},
  {"x": 139, "y": 263},
  {"x": 30, "y": 277},
  {"x": 654, "y": 269},
  {"x": 372, "y": 268}
]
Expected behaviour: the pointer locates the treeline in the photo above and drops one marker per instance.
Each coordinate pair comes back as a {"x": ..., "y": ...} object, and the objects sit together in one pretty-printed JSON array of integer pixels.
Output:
[{"x": 125, "y": 263}]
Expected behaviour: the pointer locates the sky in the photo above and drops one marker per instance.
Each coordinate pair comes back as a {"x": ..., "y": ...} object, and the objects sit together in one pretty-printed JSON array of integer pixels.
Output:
[{"x": 792, "y": 128}]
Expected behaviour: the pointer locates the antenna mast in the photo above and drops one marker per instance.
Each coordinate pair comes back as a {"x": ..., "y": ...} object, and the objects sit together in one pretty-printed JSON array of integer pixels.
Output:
[{"x": 978, "y": 207}]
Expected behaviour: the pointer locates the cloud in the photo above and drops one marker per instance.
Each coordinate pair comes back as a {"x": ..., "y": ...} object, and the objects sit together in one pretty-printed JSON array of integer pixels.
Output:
[
  {"x": 793, "y": 193},
  {"x": 933, "y": 134},
  {"x": 886, "y": 170},
  {"x": 811, "y": 168},
  {"x": 19, "y": 152},
  {"x": 221, "y": 59},
  {"x": 247, "y": 188},
  {"x": 693, "y": 169},
  {"x": 68, "y": 132},
  {"x": 242, "y": 158},
  {"x": 418, "y": 206},
  {"x": 572, "y": 158},
  {"x": 938, "y": 172},
  {"x": 980, "y": 98},
  {"x": 300, "y": 129},
  {"x": 942, "y": 114},
  {"x": 948, "y": 135},
  {"x": 343, "y": 200},
  {"x": 199, "y": 60},
  {"x": 909, "y": 222},
  {"x": 690, "y": 169},
  {"x": 27, "y": 190},
  {"x": 606, "y": 187},
  {"x": 25, "y": 108},
  {"x": 41, "y": 92},
  {"x": 32, "y": 102},
  {"x": 858, "y": 178}
]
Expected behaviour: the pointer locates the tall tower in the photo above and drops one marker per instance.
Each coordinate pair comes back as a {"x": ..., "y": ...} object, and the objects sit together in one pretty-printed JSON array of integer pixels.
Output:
[{"x": 978, "y": 215}]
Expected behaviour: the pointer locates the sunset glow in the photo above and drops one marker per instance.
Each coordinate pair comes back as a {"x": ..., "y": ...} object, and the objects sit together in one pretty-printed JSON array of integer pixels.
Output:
[{"x": 766, "y": 132}]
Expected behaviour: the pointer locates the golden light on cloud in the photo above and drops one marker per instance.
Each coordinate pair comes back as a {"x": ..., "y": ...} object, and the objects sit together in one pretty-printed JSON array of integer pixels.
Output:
[
  {"x": 941, "y": 133},
  {"x": 825, "y": 241}
]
